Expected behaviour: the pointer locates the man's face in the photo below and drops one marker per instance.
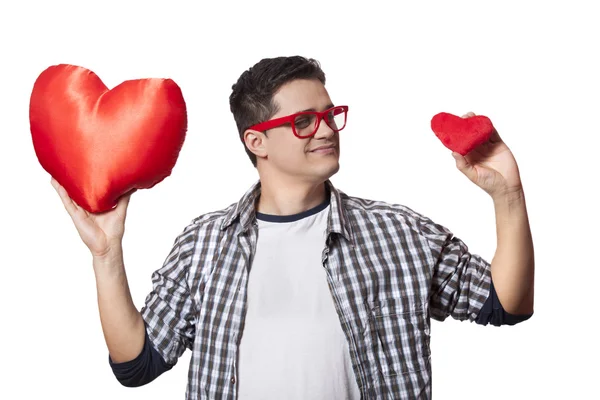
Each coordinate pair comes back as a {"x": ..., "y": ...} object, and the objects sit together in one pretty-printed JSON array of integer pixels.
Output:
[{"x": 298, "y": 158}]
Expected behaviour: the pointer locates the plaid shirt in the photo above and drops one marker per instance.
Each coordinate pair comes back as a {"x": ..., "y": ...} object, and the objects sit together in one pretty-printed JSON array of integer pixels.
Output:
[{"x": 389, "y": 269}]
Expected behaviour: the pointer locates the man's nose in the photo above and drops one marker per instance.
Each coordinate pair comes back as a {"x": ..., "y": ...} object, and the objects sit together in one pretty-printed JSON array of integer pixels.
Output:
[{"x": 324, "y": 131}]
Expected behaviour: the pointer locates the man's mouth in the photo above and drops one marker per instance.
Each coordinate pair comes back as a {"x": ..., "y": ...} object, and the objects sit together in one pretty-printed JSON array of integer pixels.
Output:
[{"x": 324, "y": 149}]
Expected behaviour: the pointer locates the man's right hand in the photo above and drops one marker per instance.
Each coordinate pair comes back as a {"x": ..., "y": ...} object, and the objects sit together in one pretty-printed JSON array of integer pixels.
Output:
[{"x": 100, "y": 232}]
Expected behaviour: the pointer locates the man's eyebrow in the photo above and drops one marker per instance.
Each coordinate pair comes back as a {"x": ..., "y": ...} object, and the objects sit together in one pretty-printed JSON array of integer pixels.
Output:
[{"x": 328, "y": 106}]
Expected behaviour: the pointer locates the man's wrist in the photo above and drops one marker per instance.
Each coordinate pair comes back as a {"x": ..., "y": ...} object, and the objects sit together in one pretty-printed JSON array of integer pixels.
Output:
[
  {"x": 110, "y": 260},
  {"x": 509, "y": 198}
]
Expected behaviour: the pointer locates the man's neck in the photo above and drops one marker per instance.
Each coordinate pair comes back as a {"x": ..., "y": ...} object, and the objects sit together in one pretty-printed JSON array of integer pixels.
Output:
[{"x": 287, "y": 197}]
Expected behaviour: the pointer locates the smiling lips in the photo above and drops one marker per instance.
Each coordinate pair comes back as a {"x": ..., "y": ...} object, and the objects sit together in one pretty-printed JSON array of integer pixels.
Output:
[{"x": 324, "y": 150}]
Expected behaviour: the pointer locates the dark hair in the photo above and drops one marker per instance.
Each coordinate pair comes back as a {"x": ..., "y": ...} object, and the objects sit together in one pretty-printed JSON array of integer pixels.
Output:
[{"x": 251, "y": 101}]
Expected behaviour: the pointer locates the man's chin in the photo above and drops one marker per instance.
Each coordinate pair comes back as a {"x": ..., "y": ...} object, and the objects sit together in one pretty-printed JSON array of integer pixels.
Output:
[
  {"x": 319, "y": 173},
  {"x": 327, "y": 173}
]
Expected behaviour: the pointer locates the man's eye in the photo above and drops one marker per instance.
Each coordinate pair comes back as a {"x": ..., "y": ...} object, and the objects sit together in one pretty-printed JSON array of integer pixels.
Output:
[{"x": 302, "y": 122}]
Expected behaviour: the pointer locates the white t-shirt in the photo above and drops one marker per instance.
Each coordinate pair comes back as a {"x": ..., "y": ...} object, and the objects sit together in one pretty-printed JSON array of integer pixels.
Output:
[{"x": 292, "y": 345}]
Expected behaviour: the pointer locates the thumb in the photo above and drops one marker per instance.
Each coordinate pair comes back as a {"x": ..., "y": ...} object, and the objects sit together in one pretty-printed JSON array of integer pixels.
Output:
[
  {"x": 124, "y": 202},
  {"x": 463, "y": 166}
]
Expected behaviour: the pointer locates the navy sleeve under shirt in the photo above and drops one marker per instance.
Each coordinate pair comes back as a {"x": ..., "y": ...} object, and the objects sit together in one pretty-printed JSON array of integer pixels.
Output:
[
  {"x": 143, "y": 369},
  {"x": 493, "y": 313}
]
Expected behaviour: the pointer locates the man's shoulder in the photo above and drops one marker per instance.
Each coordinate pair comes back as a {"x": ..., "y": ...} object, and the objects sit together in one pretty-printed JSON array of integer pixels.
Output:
[
  {"x": 209, "y": 221},
  {"x": 361, "y": 208},
  {"x": 212, "y": 218},
  {"x": 365, "y": 207}
]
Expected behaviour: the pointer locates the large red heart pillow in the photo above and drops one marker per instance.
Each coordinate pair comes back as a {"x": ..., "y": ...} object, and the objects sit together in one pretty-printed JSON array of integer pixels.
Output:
[
  {"x": 462, "y": 134},
  {"x": 99, "y": 143}
]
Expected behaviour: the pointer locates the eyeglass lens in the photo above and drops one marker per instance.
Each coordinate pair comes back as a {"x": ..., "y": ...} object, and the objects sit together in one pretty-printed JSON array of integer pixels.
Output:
[{"x": 306, "y": 124}]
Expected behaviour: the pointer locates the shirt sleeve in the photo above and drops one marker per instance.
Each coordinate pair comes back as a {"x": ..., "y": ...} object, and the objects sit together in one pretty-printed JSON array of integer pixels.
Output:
[
  {"x": 169, "y": 312},
  {"x": 493, "y": 313},
  {"x": 460, "y": 280},
  {"x": 146, "y": 367}
]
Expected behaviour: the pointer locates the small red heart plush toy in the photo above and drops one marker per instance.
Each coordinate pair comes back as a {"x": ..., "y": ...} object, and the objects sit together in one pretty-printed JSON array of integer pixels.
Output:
[
  {"x": 462, "y": 134},
  {"x": 100, "y": 144}
]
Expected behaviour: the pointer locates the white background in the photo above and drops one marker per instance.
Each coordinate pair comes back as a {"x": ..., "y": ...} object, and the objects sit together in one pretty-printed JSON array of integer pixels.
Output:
[{"x": 531, "y": 67}]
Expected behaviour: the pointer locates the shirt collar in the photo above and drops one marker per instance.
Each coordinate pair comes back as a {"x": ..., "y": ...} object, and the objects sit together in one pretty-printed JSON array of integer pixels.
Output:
[{"x": 244, "y": 211}]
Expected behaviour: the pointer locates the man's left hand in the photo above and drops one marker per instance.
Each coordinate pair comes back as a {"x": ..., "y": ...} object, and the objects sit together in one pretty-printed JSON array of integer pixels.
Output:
[{"x": 491, "y": 166}]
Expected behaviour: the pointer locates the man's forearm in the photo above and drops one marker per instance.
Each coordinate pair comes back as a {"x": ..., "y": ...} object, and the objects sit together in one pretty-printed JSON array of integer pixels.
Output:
[
  {"x": 513, "y": 263},
  {"x": 122, "y": 323}
]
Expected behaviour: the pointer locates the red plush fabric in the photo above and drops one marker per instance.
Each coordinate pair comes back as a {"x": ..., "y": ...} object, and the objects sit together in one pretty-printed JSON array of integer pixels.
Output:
[
  {"x": 99, "y": 143},
  {"x": 461, "y": 134}
]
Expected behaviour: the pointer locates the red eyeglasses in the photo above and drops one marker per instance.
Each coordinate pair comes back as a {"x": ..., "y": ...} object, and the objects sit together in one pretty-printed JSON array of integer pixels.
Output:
[{"x": 306, "y": 123}]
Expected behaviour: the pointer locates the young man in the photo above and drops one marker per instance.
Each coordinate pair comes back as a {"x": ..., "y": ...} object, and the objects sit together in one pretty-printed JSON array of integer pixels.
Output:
[{"x": 299, "y": 291}]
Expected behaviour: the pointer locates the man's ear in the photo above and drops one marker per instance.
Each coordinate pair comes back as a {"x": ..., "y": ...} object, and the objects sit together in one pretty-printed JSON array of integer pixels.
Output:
[{"x": 256, "y": 142}]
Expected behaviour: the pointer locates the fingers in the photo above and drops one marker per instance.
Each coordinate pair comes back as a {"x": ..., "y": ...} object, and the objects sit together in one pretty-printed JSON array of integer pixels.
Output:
[
  {"x": 123, "y": 202},
  {"x": 495, "y": 137},
  {"x": 469, "y": 115}
]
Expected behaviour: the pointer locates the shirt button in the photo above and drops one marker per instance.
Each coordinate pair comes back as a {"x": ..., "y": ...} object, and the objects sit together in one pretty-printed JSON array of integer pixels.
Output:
[{"x": 233, "y": 380}]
